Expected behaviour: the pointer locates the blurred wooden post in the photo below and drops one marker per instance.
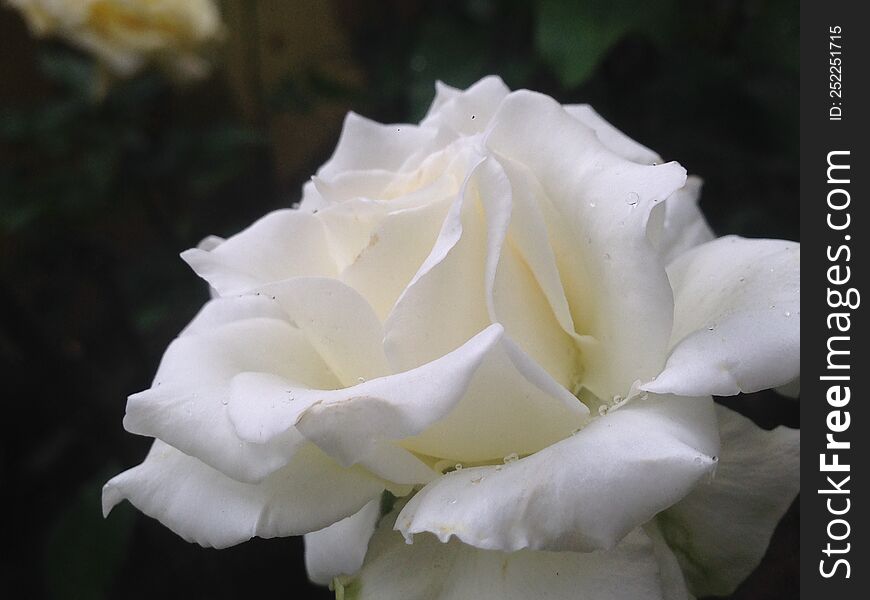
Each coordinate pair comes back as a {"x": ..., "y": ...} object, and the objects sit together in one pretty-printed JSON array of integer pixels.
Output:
[{"x": 275, "y": 45}]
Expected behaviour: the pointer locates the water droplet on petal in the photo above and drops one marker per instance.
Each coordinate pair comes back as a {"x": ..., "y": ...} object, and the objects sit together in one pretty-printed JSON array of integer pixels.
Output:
[
  {"x": 225, "y": 400},
  {"x": 742, "y": 279},
  {"x": 787, "y": 313},
  {"x": 602, "y": 410},
  {"x": 512, "y": 457},
  {"x": 477, "y": 479},
  {"x": 361, "y": 379},
  {"x": 458, "y": 466},
  {"x": 632, "y": 199}
]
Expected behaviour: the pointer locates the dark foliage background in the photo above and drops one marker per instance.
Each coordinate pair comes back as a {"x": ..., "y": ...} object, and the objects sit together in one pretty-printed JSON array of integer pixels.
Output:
[{"x": 98, "y": 197}]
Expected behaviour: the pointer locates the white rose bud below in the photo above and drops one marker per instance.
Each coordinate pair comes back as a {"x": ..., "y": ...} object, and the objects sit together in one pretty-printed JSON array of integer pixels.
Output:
[{"x": 512, "y": 317}]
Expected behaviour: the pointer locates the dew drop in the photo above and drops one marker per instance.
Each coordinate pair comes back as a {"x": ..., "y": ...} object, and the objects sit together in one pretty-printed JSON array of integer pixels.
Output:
[
  {"x": 742, "y": 279},
  {"x": 361, "y": 379},
  {"x": 512, "y": 457},
  {"x": 458, "y": 466},
  {"x": 477, "y": 479},
  {"x": 632, "y": 199},
  {"x": 592, "y": 205},
  {"x": 225, "y": 401},
  {"x": 787, "y": 313},
  {"x": 602, "y": 410}
]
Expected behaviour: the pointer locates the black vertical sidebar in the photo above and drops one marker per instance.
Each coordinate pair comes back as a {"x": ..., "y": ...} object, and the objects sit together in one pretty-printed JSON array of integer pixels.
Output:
[{"x": 835, "y": 171}]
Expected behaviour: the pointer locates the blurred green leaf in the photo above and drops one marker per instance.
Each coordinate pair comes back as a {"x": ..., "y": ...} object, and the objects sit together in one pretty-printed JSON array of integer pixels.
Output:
[
  {"x": 574, "y": 36},
  {"x": 71, "y": 71},
  {"x": 85, "y": 551}
]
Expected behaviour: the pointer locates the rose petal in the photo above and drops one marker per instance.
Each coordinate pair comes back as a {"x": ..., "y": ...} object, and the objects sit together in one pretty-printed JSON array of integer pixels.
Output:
[
  {"x": 347, "y": 423},
  {"x": 337, "y": 321},
  {"x": 721, "y": 530},
  {"x": 466, "y": 283},
  {"x": 737, "y": 318},
  {"x": 612, "y": 138},
  {"x": 529, "y": 234},
  {"x": 367, "y": 145},
  {"x": 466, "y": 112},
  {"x": 792, "y": 389},
  {"x": 677, "y": 225},
  {"x": 584, "y": 493},
  {"x": 341, "y": 548},
  {"x": 673, "y": 580},
  {"x": 430, "y": 570},
  {"x": 445, "y": 304},
  {"x": 205, "y": 506},
  {"x": 187, "y": 404},
  {"x": 616, "y": 284},
  {"x": 284, "y": 243},
  {"x": 397, "y": 247},
  {"x": 353, "y": 424},
  {"x": 257, "y": 396},
  {"x": 511, "y": 405}
]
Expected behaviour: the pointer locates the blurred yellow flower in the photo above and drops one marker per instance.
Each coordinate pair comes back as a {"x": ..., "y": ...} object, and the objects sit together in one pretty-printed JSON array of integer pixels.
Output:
[{"x": 124, "y": 35}]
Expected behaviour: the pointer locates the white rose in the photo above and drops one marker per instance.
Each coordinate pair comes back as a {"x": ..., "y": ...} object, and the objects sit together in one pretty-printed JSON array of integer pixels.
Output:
[
  {"x": 513, "y": 316},
  {"x": 126, "y": 34}
]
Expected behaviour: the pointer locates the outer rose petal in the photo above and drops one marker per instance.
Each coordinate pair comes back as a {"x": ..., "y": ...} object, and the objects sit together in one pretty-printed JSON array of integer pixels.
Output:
[
  {"x": 283, "y": 244},
  {"x": 792, "y": 389},
  {"x": 367, "y": 145},
  {"x": 721, "y": 530},
  {"x": 615, "y": 140},
  {"x": 341, "y": 548},
  {"x": 205, "y": 506},
  {"x": 351, "y": 423},
  {"x": 673, "y": 581},
  {"x": 584, "y": 493},
  {"x": 466, "y": 112},
  {"x": 616, "y": 284},
  {"x": 431, "y": 570},
  {"x": 677, "y": 225},
  {"x": 737, "y": 318},
  {"x": 187, "y": 404}
]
